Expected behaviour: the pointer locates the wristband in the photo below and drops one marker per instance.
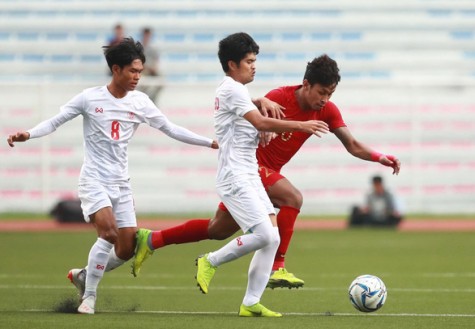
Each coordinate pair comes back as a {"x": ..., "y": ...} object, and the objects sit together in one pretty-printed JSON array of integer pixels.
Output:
[
  {"x": 375, "y": 156},
  {"x": 391, "y": 157}
]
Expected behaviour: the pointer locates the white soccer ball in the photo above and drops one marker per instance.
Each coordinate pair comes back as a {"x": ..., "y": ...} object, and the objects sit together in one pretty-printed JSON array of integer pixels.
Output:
[{"x": 367, "y": 293}]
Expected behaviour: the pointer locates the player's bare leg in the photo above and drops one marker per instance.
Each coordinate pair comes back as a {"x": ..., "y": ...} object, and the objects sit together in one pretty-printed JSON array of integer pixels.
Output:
[{"x": 222, "y": 226}]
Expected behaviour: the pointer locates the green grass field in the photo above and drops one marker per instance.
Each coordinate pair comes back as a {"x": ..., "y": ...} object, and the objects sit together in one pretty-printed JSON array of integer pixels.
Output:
[{"x": 430, "y": 279}]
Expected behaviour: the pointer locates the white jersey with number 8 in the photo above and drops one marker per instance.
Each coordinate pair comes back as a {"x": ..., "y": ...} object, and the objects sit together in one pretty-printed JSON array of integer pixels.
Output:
[{"x": 109, "y": 124}]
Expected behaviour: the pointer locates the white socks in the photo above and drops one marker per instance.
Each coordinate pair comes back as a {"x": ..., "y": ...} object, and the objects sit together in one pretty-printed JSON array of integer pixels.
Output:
[
  {"x": 265, "y": 239},
  {"x": 114, "y": 261},
  {"x": 262, "y": 235},
  {"x": 96, "y": 265},
  {"x": 260, "y": 270}
]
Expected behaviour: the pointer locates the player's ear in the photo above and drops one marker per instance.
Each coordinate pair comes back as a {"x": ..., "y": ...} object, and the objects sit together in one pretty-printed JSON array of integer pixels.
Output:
[
  {"x": 233, "y": 66},
  {"x": 115, "y": 68}
]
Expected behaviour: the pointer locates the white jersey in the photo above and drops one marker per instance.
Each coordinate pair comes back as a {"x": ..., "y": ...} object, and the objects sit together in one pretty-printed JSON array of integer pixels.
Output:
[
  {"x": 237, "y": 138},
  {"x": 108, "y": 125}
]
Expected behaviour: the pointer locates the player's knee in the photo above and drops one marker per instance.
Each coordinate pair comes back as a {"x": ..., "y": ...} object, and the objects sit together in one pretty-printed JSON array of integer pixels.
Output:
[
  {"x": 218, "y": 231},
  {"x": 297, "y": 199},
  {"x": 218, "y": 235},
  {"x": 110, "y": 235},
  {"x": 269, "y": 237},
  {"x": 214, "y": 233},
  {"x": 294, "y": 199},
  {"x": 275, "y": 238},
  {"x": 125, "y": 254}
]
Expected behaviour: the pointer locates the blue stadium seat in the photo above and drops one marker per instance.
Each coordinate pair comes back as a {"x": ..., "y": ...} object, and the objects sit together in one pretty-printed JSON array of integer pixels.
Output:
[
  {"x": 174, "y": 37},
  {"x": 28, "y": 36},
  {"x": 203, "y": 37},
  {"x": 7, "y": 57},
  {"x": 91, "y": 58},
  {"x": 462, "y": 35},
  {"x": 33, "y": 57},
  {"x": 294, "y": 36},
  {"x": 5, "y": 36},
  {"x": 62, "y": 58},
  {"x": 88, "y": 36},
  {"x": 351, "y": 36},
  {"x": 321, "y": 35},
  {"x": 57, "y": 36}
]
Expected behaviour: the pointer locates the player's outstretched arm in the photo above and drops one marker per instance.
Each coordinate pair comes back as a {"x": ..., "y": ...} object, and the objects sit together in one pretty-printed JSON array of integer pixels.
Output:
[
  {"x": 21, "y": 136},
  {"x": 363, "y": 152},
  {"x": 182, "y": 134}
]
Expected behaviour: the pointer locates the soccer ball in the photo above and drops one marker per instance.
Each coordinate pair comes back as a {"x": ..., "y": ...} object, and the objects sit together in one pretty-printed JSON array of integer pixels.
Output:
[{"x": 367, "y": 293}]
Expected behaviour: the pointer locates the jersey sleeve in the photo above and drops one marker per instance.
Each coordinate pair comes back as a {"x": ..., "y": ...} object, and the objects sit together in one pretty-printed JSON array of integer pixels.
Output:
[
  {"x": 152, "y": 114},
  {"x": 242, "y": 101},
  {"x": 333, "y": 117},
  {"x": 156, "y": 119},
  {"x": 184, "y": 135},
  {"x": 68, "y": 112},
  {"x": 276, "y": 95}
]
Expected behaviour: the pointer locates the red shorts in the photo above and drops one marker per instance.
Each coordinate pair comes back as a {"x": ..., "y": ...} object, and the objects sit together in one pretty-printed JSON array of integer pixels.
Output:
[{"x": 268, "y": 177}]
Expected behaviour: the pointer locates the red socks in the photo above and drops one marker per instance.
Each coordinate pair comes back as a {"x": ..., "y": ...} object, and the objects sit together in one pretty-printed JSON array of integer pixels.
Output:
[
  {"x": 191, "y": 231},
  {"x": 285, "y": 221},
  {"x": 197, "y": 229}
]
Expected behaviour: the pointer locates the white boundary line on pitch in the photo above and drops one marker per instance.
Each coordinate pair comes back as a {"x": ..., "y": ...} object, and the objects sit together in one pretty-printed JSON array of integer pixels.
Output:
[
  {"x": 290, "y": 313},
  {"x": 244, "y": 275},
  {"x": 305, "y": 289}
]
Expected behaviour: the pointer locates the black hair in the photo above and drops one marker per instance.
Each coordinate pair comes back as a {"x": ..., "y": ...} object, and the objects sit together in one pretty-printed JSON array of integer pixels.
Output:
[
  {"x": 124, "y": 53},
  {"x": 377, "y": 179},
  {"x": 322, "y": 70},
  {"x": 235, "y": 47}
]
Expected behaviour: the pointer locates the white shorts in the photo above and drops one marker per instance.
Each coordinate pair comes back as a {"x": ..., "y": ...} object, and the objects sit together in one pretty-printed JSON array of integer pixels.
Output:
[
  {"x": 95, "y": 196},
  {"x": 247, "y": 201}
]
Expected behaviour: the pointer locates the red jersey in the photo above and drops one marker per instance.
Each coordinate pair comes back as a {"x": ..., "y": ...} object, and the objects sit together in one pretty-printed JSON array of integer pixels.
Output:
[{"x": 282, "y": 148}]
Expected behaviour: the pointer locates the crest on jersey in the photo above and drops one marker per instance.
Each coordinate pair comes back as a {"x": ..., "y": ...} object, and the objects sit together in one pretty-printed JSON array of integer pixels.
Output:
[{"x": 285, "y": 136}]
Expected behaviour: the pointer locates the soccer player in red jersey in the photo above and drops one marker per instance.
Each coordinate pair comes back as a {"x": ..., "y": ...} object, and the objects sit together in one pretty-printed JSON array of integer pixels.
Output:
[{"x": 308, "y": 101}]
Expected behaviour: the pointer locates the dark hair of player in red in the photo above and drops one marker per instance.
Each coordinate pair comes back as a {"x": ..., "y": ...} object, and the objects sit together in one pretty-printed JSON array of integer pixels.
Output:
[{"x": 322, "y": 70}]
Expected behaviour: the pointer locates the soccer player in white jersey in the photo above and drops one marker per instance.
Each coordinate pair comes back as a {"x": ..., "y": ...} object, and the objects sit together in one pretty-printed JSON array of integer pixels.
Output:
[
  {"x": 111, "y": 115},
  {"x": 237, "y": 123}
]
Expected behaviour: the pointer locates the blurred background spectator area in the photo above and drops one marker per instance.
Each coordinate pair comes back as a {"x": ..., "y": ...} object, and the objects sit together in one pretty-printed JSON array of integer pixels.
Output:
[{"x": 408, "y": 81}]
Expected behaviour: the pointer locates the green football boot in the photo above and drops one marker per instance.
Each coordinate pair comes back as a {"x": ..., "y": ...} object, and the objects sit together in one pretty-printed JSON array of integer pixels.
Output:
[
  {"x": 142, "y": 250},
  {"x": 283, "y": 279},
  {"x": 205, "y": 273},
  {"x": 257, "y": 310}
]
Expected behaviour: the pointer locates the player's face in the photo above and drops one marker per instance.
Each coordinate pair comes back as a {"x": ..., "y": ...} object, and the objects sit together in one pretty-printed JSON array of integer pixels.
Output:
[
  {"x": 245, "y": 72},
  {"x": 316, "y": 96},
  {"x": 128, "y": 77}
]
